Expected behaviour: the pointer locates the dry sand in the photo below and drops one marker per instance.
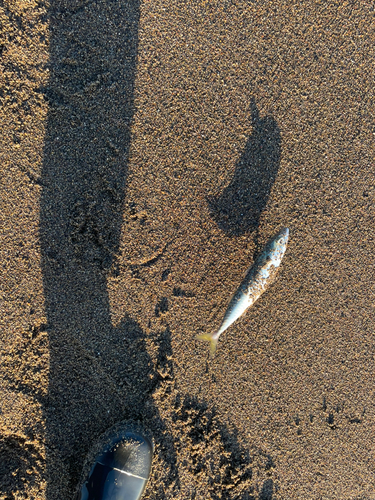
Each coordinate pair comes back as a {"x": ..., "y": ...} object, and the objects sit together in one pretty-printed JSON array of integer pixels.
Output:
[{"x": 148, "y": 150}]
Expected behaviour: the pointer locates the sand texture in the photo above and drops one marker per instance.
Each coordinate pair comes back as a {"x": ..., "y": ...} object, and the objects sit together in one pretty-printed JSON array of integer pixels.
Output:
[{"x": 148, "y": 151}]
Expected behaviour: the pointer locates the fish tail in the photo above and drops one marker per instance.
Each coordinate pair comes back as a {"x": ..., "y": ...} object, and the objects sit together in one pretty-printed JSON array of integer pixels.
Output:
[{"x": 212, "y": 338}]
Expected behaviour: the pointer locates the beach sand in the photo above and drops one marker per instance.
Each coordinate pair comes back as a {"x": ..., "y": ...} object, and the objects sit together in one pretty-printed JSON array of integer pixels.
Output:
[{"x": 148, "y": 151}]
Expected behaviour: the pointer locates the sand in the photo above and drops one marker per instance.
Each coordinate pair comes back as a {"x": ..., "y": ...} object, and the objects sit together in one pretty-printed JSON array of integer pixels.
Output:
[{"x": 148, "y": 151}]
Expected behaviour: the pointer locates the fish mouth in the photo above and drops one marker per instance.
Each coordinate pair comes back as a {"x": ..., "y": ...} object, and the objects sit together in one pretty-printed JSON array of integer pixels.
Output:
[{"x": 283, "y": 234}]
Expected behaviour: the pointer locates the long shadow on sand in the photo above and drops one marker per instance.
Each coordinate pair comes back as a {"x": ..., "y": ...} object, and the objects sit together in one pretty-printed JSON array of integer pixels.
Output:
[
  {"x": 237, "y": 210},
  {"x": 99, "y": 374}
]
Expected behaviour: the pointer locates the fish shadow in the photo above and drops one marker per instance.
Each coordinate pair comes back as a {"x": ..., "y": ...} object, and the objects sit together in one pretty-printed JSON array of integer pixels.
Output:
[{"x": 237, "y": 210}]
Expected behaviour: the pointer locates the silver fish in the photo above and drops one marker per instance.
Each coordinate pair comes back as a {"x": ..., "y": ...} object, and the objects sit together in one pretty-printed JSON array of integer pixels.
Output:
[{"x": 261, "y": 274}]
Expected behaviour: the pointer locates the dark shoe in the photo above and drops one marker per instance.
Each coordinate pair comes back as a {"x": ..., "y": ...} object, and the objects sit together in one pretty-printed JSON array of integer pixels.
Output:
[{"x": 121, "y": 468}]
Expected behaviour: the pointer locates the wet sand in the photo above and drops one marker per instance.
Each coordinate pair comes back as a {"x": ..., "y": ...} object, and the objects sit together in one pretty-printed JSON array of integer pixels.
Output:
[{"x": 148, "y": 151}]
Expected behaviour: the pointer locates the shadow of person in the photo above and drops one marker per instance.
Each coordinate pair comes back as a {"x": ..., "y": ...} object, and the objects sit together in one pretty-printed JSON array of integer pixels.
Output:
[
  {"x": 98, "y": 374},
  {"x": 101, "y": 374},
  {"x": 238, "y": 208}
]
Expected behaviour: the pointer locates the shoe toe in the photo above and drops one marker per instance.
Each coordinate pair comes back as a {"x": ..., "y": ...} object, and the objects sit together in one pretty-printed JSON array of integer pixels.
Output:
[{"x": 121, "y": 470}]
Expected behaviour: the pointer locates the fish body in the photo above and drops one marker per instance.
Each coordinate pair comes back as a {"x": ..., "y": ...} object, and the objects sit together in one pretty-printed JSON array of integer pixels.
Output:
[{"x": 260, "y": 275}]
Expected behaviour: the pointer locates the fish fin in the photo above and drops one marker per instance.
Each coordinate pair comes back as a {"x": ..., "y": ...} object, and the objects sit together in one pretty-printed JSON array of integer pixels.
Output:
[{"x": 212, "y": 338}]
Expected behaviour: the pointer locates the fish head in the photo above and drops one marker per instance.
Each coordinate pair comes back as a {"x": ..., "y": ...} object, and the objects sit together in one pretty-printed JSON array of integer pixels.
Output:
[
  {"x": 281, "y": 239},
  {"x": 277, "y": 246}
]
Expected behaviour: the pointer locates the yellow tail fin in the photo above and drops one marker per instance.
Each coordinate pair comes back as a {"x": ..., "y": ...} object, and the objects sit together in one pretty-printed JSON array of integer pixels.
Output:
[{"x": 212, "y": 339}]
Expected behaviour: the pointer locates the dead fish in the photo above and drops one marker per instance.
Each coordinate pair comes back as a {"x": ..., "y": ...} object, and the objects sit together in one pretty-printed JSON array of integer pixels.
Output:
[{"x": 259, "y": 276}]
